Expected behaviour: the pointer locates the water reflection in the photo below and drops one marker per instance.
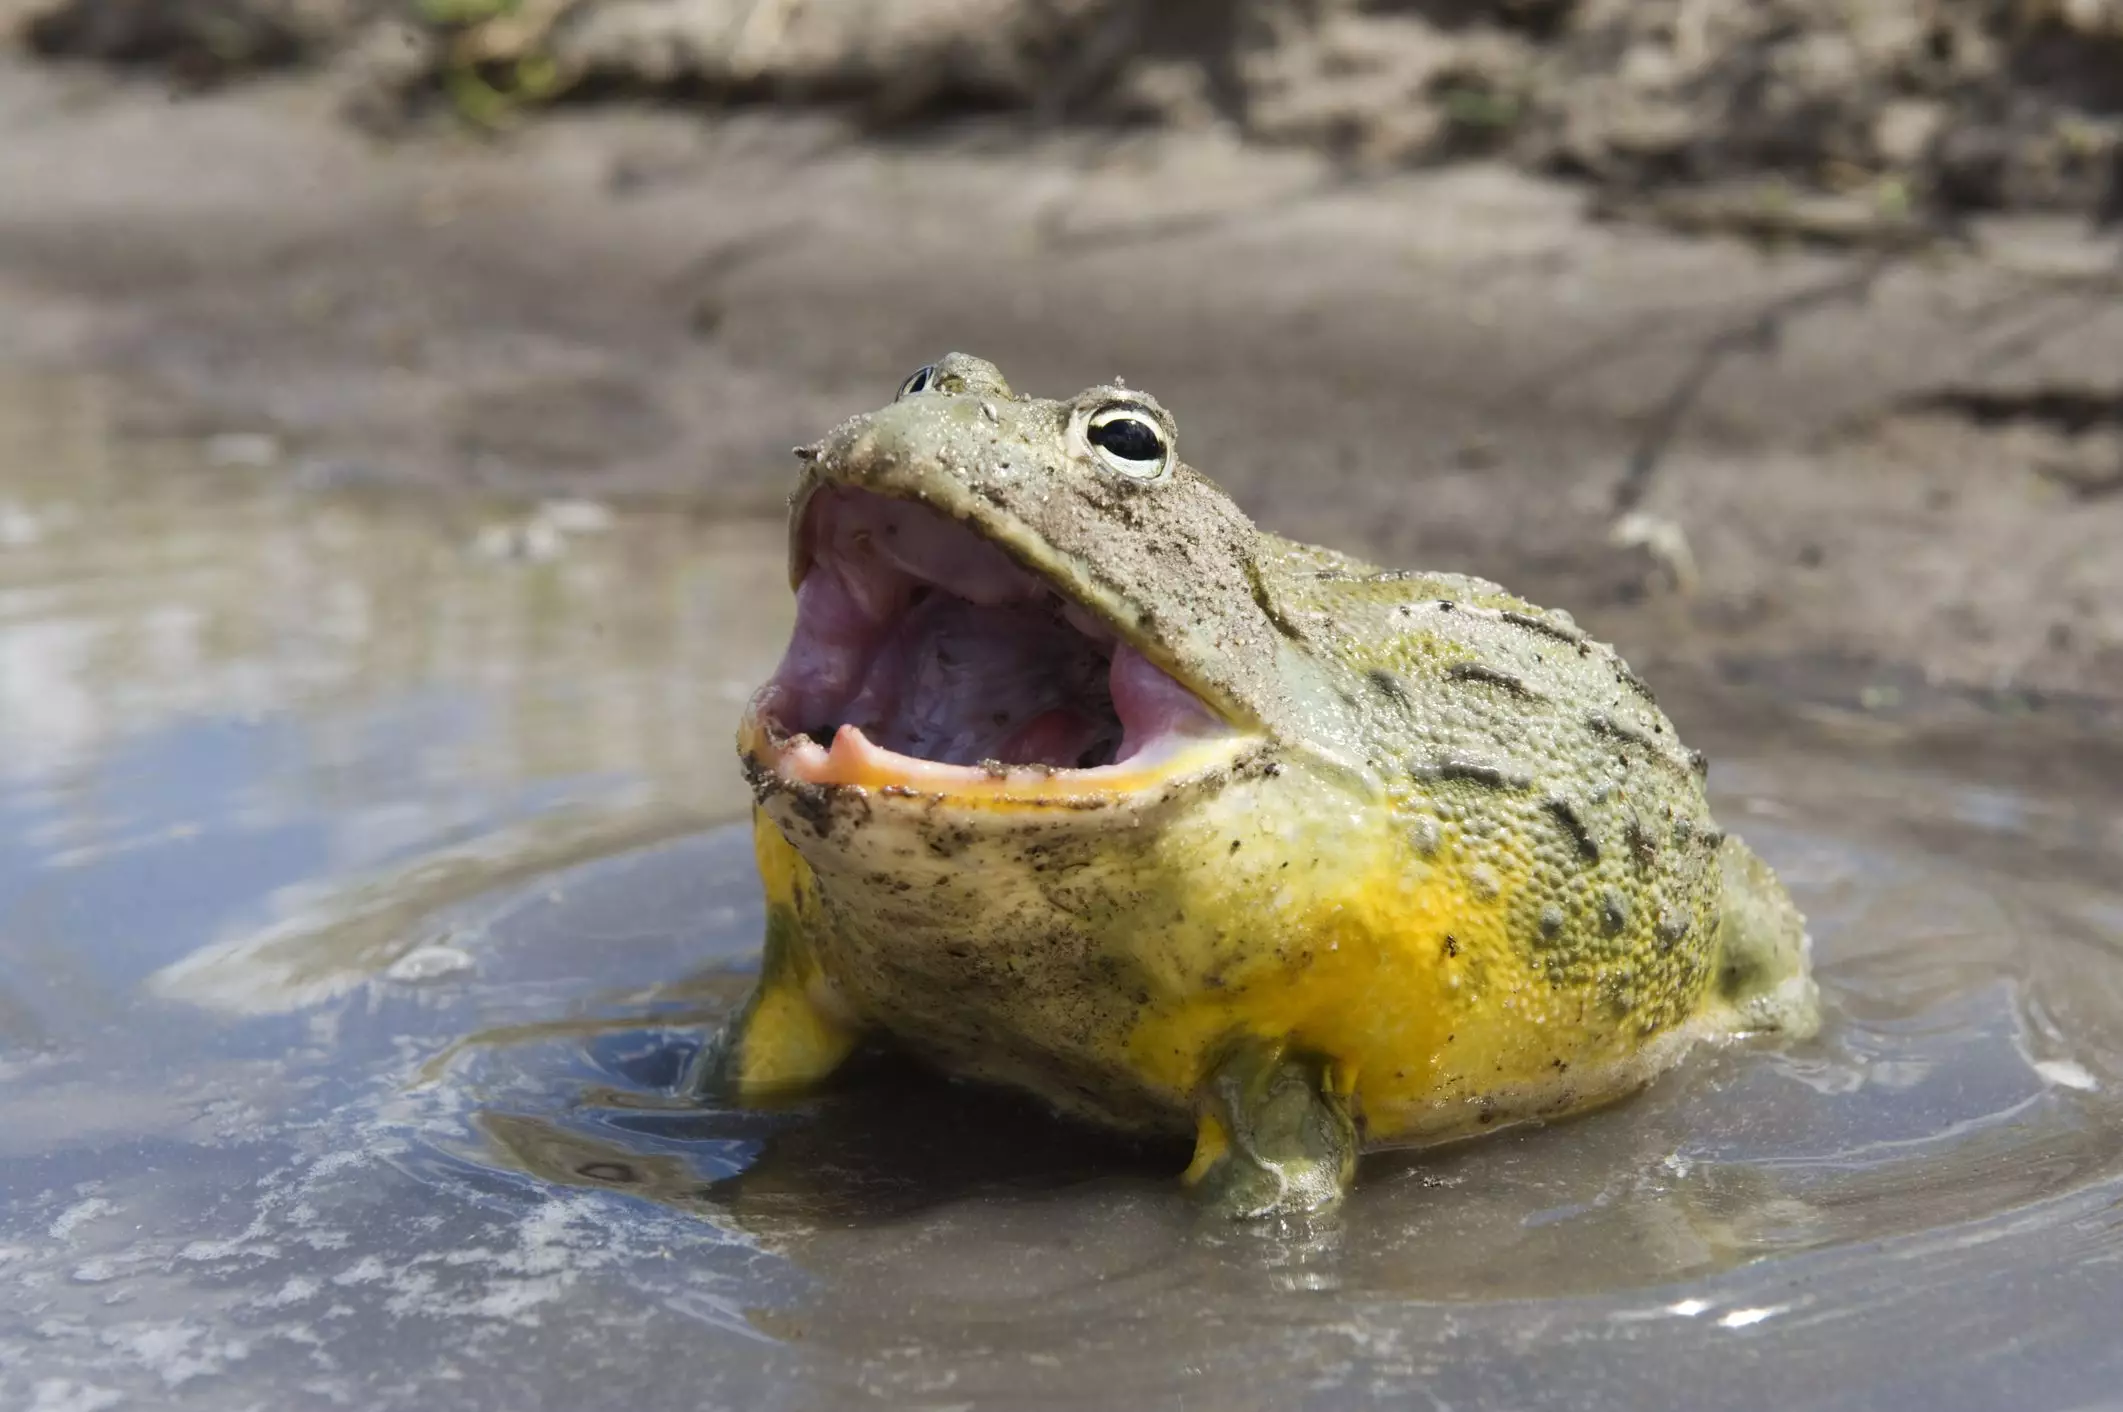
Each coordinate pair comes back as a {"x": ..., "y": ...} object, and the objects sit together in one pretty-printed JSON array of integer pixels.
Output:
[
  {"x": 147, "y": 589},
  {"x": 194, "y": 657}
]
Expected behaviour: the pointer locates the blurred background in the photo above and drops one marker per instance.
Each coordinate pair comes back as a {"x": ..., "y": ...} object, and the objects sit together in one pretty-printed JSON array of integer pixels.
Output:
[
  {"x": 1777, "y": 333},
  {"x": 395, "y": 409}
]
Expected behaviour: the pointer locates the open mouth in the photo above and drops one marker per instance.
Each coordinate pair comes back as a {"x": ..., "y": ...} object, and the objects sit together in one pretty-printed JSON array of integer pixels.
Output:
[{"x": 924, "y": 655}]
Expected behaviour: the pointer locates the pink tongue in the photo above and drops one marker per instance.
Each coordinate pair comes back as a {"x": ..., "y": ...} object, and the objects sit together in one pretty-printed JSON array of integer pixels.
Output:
[
  {"x": 1059, "y": 737},
  {"x": 934, "y": 644},
  {"x": 959, "y": 683},
  {"x": 1152, "y": 705}
]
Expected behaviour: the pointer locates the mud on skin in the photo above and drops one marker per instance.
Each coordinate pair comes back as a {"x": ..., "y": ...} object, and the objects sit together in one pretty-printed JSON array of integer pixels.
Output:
[{"x": 1075, "y": 781}]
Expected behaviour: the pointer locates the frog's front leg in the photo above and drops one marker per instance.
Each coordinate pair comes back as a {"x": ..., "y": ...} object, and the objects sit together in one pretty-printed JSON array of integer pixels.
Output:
[
  {"x": 781, "y": 1042},
  {"x": 1274, "y": 1136},
  {"x": 788, "y": 1036}
]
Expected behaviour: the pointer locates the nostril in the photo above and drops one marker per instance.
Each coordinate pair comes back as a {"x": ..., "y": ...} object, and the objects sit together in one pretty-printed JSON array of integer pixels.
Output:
[{"x": 806, "y": 453}]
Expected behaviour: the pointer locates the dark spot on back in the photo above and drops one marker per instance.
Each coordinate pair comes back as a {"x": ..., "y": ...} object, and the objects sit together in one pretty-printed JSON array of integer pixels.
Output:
[
  {"x": 1472, "y": 771},
  {"x": 1452, "y": 945},
  {"x": 1544, "y": 627},
  {"x": 1600, "y": 723},
  {"x": 1489, "y": 676},
  {"x": 1642, "y": 846},
  {"x": 1388, "y": 685},
  {"x": 1634, "y": 682},
  {"x": 1567, "y": 817}
]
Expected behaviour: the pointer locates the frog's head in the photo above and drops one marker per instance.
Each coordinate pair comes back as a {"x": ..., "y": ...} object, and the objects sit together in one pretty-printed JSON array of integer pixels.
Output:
[{"x": 1012, "y": 601}]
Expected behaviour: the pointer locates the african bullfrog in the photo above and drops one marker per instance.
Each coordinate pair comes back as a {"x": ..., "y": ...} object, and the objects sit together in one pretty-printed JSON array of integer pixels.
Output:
[{"x": 1074, "y": 780}]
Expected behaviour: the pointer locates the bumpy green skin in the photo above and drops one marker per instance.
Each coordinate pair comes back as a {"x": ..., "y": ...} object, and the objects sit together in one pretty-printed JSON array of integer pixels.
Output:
[
  {"x": 1504, "y": 724},
  {"x": 1462, "y": 873}
]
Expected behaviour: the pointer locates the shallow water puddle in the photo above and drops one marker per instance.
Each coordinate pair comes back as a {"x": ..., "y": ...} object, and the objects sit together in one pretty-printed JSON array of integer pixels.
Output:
[{"x": 366, "y": 879}]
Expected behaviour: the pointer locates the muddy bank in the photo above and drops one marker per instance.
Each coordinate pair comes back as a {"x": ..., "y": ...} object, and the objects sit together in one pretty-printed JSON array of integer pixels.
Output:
[
  {"x": 1811, "y": 118},
  {"x": 1877, "y": 477}
]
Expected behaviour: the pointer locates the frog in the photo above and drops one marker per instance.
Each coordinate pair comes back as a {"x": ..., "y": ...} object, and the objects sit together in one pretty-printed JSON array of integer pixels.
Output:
[{"x": 1074, "y": 780}]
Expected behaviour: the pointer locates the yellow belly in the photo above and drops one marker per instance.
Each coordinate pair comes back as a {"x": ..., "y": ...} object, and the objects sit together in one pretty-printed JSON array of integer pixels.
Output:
[
  {"x": 1406, "y": 972},
  {"x": 1109, "y": 969}
]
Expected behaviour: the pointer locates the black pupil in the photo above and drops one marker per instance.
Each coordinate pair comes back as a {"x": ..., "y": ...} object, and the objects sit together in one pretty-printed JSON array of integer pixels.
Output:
[
  {"x": 918, "y": 383},
  {"x": 1129, "y": 438}
]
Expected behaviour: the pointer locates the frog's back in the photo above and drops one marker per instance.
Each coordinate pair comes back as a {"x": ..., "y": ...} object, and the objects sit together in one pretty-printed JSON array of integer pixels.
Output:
[
  {"x": 1460, "y": 666},
  {"x": 1522, "y": 756}
]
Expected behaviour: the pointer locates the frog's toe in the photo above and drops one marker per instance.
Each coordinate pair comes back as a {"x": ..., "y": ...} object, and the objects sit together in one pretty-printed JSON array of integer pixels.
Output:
[
  {"x": 1252, "y": 1188},
  {"x": 1274, "y": 1139}
]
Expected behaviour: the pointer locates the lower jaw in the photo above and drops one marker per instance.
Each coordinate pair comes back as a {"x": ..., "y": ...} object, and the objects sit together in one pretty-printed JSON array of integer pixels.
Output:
[{"x": 853, "y": 761}]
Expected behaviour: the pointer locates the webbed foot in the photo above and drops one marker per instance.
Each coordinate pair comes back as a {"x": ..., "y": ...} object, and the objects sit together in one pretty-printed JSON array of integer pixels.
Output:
[{"x": 1274, "y": 1138}]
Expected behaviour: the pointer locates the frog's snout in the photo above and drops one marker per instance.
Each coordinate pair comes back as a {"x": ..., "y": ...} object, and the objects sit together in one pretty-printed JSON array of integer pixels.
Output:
[{"x": 925, "y": 448}]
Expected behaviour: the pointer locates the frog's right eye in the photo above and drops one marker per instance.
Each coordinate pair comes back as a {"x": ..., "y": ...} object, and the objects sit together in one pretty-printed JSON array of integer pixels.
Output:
[
  {"x": 924, "y": 378},
  {"x": 1128, "y": 441}
]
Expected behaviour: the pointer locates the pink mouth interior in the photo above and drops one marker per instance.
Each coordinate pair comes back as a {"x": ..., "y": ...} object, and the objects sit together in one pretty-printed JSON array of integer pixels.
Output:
[{"x": 933, "y": 644}]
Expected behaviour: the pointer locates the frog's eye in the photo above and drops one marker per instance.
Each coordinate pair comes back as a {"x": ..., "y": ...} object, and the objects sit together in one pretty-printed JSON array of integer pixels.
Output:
[
  {"x": 1128, "y": 441},
  {"x": 924, "y": 378}
]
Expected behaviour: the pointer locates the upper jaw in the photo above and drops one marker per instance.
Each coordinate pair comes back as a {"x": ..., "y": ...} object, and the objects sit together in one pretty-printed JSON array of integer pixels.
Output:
[{"x": 948, "y": 453}]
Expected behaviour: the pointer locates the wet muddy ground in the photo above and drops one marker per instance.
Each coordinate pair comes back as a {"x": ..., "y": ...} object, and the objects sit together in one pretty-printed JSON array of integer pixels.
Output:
[{"x": 386, "y": 548}]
